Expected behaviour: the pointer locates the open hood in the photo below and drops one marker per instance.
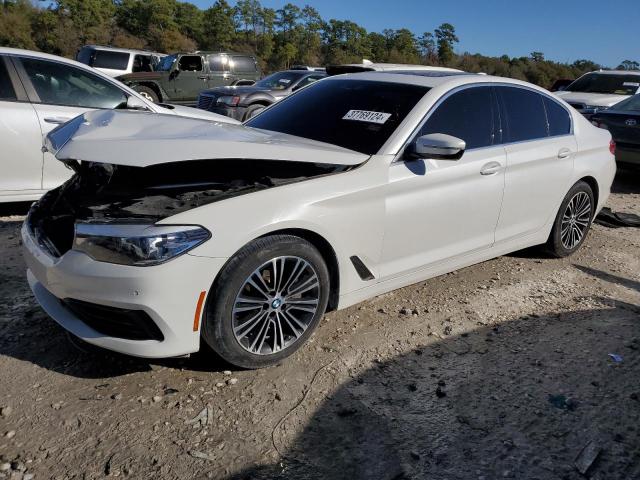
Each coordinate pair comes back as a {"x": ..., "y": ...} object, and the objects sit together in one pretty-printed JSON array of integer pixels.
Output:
[{"x": 141, "y": 139}]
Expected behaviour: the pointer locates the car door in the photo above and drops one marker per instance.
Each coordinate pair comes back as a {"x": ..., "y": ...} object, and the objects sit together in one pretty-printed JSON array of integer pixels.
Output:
[
  {"x": 440, "y": 209},
  {"x": 540, "y": 150},
  {"x": 59, "y": 92},
  {"x": 219, "y": 71},
  {"x": 189, "y": 78},
  {"x": 20, "y": 138}
]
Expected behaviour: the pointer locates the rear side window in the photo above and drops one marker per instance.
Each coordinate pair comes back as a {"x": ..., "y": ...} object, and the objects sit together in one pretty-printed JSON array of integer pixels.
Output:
[
  {"x": 6, "y": 88},
  {"x": 526, "y": 118},
  {"x": 244, "y": 64},
  {"x": 558, "y": 118},
  {"x": 142, "y": 63},
  {"x": 111, "y": 60},
  {"x": 218, "y": 63},
  {"x": 467, "y": 114}
]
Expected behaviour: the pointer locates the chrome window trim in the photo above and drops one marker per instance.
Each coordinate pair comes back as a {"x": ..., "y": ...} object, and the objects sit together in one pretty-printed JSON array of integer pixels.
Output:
[{"x": 398, "y": 156}]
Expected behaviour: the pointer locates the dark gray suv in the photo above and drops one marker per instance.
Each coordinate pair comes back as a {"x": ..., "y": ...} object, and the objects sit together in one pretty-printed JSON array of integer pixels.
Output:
[{"x": 243, "y": 102}]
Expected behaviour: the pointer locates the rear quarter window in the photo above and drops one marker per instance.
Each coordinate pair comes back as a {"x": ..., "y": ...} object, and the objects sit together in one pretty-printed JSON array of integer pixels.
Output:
[
  {"x": 558, "y": 118},
  {"x": 525, "y": 114},
  {"x": 244, "y": 64},
  {"x": 110, "y": 60}
]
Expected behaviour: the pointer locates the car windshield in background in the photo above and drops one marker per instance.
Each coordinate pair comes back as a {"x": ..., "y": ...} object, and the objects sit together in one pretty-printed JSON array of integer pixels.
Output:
[
  {"x": 166, "y": 63},
  {"x": 280, "y": 80},
  {"x": 356, "y": 114},
  {"x": 631, "y": 104},
  {"x": 606, "y": 83}
]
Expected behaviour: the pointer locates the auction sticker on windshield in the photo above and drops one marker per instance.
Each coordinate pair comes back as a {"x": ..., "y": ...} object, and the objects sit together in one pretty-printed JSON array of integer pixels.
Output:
[{"x": 366, "y": 116}]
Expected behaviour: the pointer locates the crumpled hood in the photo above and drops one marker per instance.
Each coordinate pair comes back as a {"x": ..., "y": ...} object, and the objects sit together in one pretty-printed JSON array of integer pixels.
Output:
[
  {"x": 595, "y": 99},
  {"x": 231, "y": 90},
  {"x": 141, "y": 139},
  {"x": 192, "y": 112}
]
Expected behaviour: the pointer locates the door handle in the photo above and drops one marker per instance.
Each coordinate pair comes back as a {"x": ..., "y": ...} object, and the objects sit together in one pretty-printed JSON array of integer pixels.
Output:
[
  {"x": 56, "y": 120},
  {"x": 564, "y": 153},
  {"x": 202, "y": 77},
  {"x": 490, "y": 168}
]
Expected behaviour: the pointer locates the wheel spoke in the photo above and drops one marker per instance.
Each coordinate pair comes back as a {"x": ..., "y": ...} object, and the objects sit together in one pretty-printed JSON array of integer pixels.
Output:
[{"x": 252, "y": 322}]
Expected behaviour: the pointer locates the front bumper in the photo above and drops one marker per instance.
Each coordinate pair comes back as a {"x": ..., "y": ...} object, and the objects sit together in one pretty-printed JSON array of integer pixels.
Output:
[{"x": 167, "y": 293}]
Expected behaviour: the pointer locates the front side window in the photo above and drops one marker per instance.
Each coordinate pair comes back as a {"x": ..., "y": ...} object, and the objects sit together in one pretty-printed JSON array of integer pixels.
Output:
[
  {"x": 608, "y": 83},
  {"x": 525, "y": 114},
  {"x": 61, "y": 84},
  {"x": 190, "y": 63},
  {"x": 558, "y": 118},
  {"x": 468, "y": 115},
  {"x": 359, "y": 115},
  {"x": 6, "y": 88},
  {"x": 166, "y": 63},
  {"x": 109, "y": 59},
  {"x": 279, "y": 80}
]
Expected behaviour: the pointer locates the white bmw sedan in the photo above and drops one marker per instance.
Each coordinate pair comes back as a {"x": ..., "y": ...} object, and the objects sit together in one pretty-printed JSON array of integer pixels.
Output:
[{"x": 175, "y": 230}]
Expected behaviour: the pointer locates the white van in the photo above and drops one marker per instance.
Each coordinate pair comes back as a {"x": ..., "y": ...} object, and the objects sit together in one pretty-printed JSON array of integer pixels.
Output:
[{"x": 118, "y": 61}]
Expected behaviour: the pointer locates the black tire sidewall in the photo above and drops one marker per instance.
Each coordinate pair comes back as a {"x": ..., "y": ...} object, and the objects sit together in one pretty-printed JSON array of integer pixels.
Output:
[
  {"x": 148, "y": 91},
  {"x": 252, "y": 108},
  {"x": 217, "y": 328},
  {"x": 555, "y": 245}
]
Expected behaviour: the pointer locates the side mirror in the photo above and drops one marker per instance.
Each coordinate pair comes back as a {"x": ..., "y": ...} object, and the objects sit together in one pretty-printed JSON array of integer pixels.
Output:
[
  {"x": 437, "y": 146},
  {"x": 134, "y": 103}
]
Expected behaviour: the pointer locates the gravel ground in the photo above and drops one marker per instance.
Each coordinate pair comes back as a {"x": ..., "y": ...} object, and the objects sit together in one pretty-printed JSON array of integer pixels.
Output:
[{"x": 500, "y": 370}]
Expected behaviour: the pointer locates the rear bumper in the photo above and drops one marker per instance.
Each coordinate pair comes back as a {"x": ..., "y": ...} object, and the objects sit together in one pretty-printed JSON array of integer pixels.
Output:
[
  {"x": 168, "y": 294},
  {"x": 628, "y": 154}
]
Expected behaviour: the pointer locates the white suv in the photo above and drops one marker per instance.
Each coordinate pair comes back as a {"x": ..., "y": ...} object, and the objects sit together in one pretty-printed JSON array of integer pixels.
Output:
[
  {"x": 600, "y": 90},
  {"x": 118, "y": 61}
]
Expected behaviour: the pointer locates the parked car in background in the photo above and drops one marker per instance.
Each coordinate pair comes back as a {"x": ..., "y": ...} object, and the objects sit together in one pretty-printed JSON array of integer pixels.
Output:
[
  {"x": 39, "y": 92},
  {"x": 243, "y": 103},
  {"x": 560, "y": 84},
  {"x": 242, "y": 236},
  {"x": 118, "y": 61},
  {"x": 623, "y": 122},
  {"x": 179, "y": 78},
  {"x": 599, "y": 90}
]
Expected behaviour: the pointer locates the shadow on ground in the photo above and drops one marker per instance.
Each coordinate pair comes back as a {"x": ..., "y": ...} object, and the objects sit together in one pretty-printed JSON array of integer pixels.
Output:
[
  {"x": 516, "y": 401},
  {"x": 627, "y": 180}
]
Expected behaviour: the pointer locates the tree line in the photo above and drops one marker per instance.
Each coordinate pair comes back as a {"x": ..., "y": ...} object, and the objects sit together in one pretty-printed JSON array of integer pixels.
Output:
[{"x": 278, "y": 37}]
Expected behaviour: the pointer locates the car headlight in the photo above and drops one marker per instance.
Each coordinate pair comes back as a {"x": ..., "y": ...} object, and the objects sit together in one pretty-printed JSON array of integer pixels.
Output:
[
  {"x": 230, "y": 100},
  {"x": 135, "y": 244}
]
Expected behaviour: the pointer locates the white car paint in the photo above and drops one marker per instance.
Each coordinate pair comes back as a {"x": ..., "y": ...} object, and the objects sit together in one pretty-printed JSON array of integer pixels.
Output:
[
  {"x": 112, "y": 72},
  {"x": 27, "y": 172},
  {"x": 406, "y": 221},
  {"x": 589, "y": 99}
]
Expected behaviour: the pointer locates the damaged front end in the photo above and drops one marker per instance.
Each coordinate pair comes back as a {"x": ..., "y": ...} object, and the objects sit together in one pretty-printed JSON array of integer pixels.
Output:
[{"x": 101, "y": 193}]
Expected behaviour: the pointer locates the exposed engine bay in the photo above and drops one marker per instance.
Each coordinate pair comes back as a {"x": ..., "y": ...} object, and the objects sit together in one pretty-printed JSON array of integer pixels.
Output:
[{"x": 102, "y": 193}]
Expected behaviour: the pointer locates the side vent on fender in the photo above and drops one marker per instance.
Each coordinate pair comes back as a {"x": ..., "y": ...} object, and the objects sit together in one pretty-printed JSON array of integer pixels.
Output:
[{"x": 361, "y": 268}]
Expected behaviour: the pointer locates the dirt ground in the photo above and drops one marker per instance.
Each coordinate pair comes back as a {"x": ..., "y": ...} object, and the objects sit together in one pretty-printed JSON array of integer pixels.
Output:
[{"x": 500, "y": 370}]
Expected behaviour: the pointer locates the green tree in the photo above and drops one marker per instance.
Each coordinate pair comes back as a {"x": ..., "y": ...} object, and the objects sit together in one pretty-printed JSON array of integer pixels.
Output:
[
  {"x": 537, "y": 56},
  {"x": 446, "y": 37},
  {"x": 629, "y": 65},
  {"x": 219, "y": 30}
]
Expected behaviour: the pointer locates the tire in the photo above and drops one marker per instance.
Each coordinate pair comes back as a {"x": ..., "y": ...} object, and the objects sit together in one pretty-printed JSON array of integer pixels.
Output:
[
  {"x": 573, "y": 221},
  {"x": 147, "y": 92},
  {"x": 265, "y": 332},
  {"x": 253, "y": 110}
]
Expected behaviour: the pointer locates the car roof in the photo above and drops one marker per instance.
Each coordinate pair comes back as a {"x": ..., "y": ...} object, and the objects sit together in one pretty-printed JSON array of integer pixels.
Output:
[
  {"x": 124, "y": 50},
  {"x": 433, "y": 79},
  {"x": 616, "y": 72}
]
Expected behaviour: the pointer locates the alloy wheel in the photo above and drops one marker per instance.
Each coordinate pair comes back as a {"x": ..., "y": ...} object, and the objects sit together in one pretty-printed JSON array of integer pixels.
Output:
[
  {"x": 575, "y": 220},
  {"x": 275, "y": 305}
]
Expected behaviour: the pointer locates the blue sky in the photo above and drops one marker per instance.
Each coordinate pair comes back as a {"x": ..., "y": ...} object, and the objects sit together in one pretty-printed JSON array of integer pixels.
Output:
[{"x": 565, "y": 30}]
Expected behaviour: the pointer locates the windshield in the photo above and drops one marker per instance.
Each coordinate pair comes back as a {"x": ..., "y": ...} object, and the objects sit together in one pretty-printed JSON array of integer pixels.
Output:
[
  {"x": 606, "y": 83},
  {"x": 631, "y": 104},
  {"x": 359, "y": 115},
  {"x": 165, "y": 63},
  {"x": 280, "y": 80}
]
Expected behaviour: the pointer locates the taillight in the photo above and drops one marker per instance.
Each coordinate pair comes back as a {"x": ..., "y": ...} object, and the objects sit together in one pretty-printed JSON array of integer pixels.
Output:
[{"x": 612, "y": 147}]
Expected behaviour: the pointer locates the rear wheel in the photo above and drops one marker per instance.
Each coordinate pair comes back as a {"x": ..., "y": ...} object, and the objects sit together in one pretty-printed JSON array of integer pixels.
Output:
[
  {"x": 573, "y": 221},
  {"x": 147, "y": 93},
  {"x": 267, "y": 301}
]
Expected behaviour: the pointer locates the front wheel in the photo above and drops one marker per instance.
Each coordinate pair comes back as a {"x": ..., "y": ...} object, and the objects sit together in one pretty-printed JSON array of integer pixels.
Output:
[
  {"x": 267, "y": 301},
  {"x": 253, "y": 110},
  {"x": 572, "y": 221}
]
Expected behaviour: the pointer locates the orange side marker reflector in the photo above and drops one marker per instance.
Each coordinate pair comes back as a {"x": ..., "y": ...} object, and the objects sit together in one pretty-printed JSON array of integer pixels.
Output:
[{"x": 196, "y": 317}]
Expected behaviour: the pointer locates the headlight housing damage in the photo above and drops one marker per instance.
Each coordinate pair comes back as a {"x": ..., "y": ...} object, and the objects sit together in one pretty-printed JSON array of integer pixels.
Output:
[{"x": 137, "y": 244}]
